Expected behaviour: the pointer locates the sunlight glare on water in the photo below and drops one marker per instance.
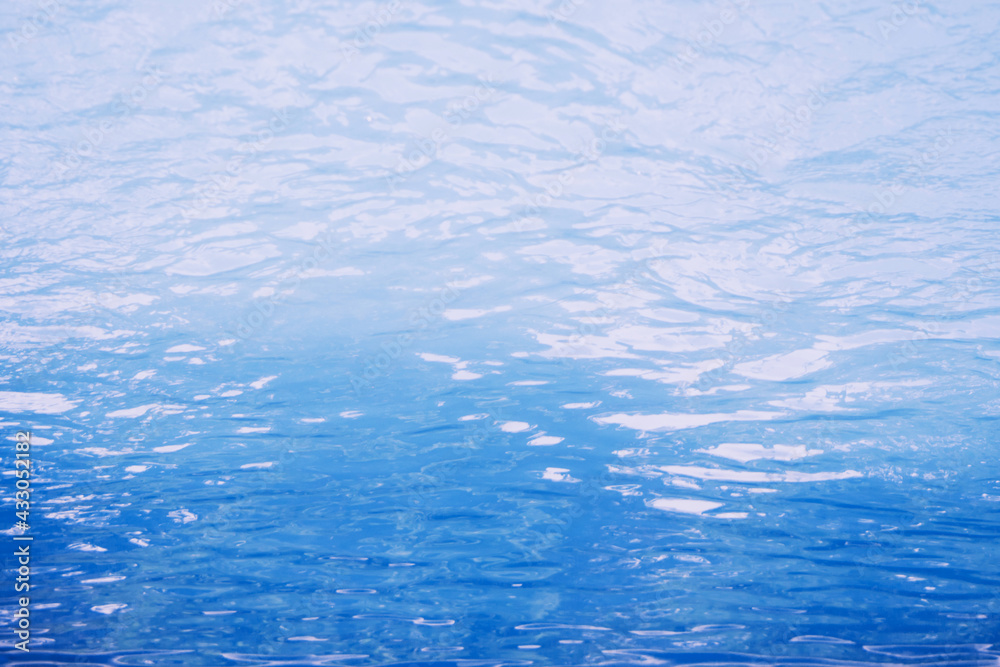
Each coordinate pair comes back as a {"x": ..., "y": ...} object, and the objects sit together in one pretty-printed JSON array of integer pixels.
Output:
[{"x": 502, "y": 333}]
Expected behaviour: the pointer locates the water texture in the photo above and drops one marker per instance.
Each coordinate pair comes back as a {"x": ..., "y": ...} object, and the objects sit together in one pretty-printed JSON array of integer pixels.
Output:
[{"x": 502, "y": 333}]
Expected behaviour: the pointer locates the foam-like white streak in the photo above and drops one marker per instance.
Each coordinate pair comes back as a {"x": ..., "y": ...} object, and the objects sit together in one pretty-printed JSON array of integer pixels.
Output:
[
  {"x": 674, "y": 422},
  {"x": 719, "y": 474}
]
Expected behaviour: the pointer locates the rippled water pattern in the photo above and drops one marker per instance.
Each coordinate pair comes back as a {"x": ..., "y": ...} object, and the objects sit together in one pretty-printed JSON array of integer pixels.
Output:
[{"x": 503, "y": 332}]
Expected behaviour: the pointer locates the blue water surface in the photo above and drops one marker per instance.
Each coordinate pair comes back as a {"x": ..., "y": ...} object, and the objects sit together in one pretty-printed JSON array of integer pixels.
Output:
[{"x": 502, "y": 332}]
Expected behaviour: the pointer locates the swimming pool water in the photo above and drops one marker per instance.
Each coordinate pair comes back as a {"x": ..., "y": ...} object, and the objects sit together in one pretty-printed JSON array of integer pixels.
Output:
[{"x": 502, "y": 332}]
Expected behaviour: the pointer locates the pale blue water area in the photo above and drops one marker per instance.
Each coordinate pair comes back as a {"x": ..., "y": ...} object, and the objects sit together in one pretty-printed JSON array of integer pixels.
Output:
[{"x": 502, "y": 333}]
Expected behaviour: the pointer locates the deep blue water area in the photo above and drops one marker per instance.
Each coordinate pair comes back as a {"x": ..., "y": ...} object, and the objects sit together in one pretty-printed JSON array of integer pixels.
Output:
[{"x": 501, "y": 333}]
